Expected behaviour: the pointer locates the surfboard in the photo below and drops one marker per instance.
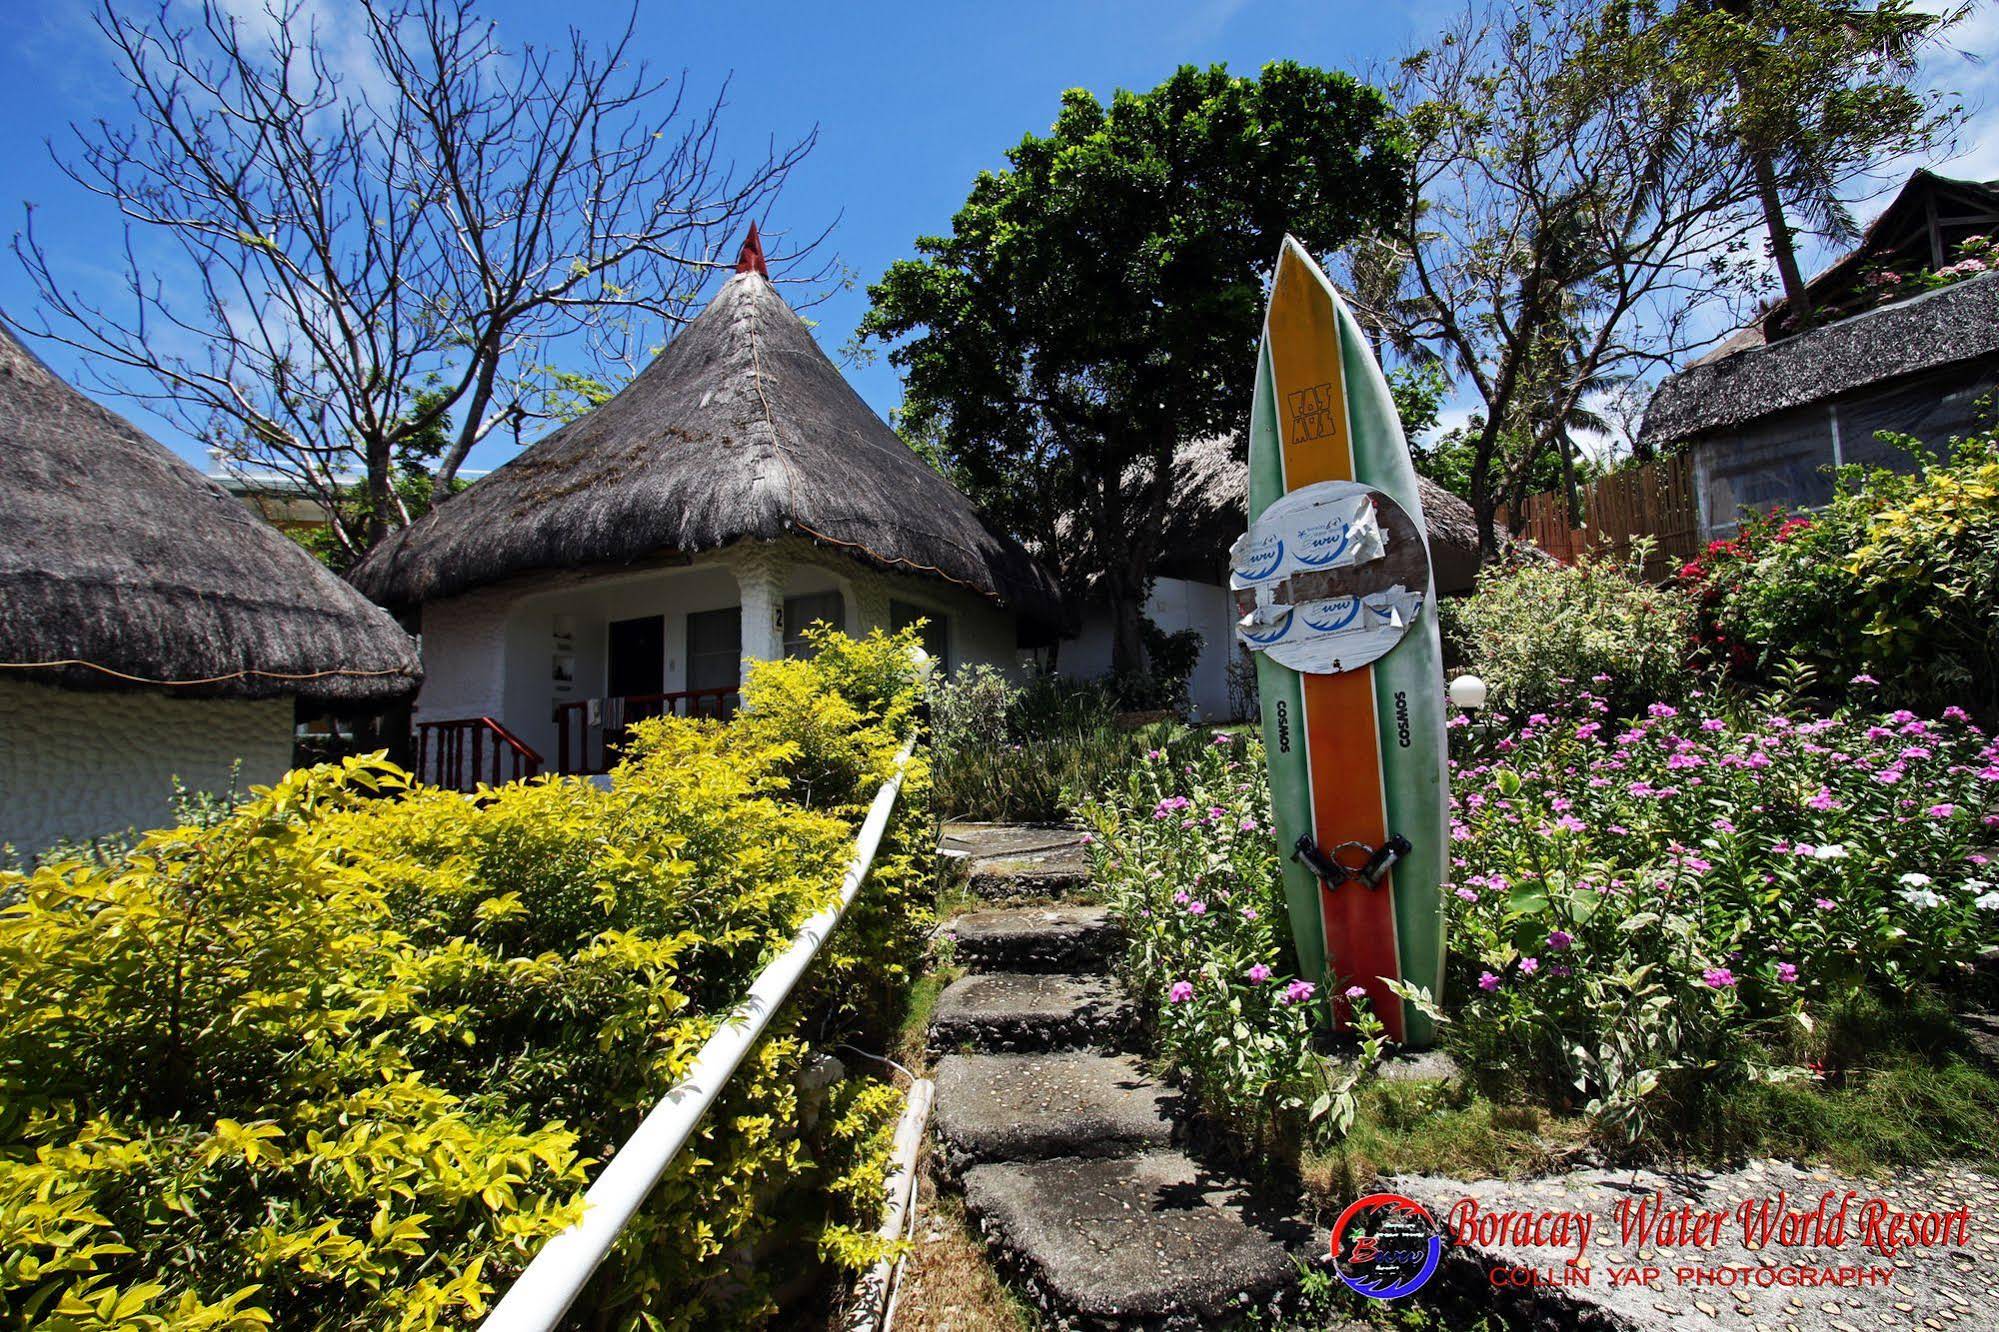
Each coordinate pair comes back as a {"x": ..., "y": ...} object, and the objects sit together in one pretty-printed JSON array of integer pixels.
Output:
[{"x": 1333, "y": 584}]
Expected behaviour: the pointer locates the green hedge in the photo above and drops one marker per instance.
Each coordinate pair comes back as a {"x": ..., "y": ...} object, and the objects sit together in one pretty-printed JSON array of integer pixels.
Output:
[
  {"x": 1896, "y": 581},
  {"x": 343, "y": 1059}
]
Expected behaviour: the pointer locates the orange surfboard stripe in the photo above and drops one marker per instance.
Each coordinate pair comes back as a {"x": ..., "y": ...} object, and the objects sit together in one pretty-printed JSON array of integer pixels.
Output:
[{"x": 1348, "y": 801}]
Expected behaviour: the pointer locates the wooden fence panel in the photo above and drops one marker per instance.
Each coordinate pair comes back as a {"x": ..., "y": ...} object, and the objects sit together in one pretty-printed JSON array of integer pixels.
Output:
[{"x": 1655, "y": 500}]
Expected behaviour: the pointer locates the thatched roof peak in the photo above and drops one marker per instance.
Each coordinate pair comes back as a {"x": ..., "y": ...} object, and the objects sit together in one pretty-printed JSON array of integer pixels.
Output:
[
  {"x": 751, "y": 260},
  {"x": 741, "y": 429},
  {"x": 124, "y": 567}
]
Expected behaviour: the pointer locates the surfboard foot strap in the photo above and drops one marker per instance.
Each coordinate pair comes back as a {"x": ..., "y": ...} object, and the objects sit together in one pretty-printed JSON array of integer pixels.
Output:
[{"x": 1334, "y": 872}]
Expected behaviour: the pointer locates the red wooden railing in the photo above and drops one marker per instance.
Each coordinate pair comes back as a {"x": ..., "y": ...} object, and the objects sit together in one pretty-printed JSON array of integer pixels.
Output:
[
  {"x": 574, "y": 752},
  {"x": 463, "y": 752}
]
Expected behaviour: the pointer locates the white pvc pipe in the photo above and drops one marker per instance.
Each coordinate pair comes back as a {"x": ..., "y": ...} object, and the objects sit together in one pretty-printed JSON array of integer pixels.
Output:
[
  {"x": 544, "y": 1291},
  {"x": 873, "y": 1291}
]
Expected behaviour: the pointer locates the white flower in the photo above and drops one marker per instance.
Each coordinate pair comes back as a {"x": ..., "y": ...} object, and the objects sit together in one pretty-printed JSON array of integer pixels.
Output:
[
  {"x": 1915, "y": 880},
  {"x": 1976, "y": 886},
  {"x": 1989, "y": 902},
  {"x": 1830, "y": 851},
  {"x": 1921, "y": 897}
]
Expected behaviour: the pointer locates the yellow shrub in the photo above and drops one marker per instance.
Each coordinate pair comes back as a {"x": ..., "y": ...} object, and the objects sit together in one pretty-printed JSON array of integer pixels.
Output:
[{"x": 344, "y": 1059}]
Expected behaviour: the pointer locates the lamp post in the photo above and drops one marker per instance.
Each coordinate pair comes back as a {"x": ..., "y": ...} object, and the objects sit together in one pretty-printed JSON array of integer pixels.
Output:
[{"x": 1467, "y": 692}]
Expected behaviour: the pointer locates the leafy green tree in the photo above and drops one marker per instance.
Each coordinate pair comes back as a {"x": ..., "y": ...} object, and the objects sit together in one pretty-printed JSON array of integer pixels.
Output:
[
  {"x": 1812, "y": 93},
  {"x": 1571, "y": 224},
  {"x": 1098, "y": 302}
]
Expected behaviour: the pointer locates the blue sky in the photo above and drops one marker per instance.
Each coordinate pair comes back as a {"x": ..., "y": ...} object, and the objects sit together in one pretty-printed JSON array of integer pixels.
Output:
[{"x": 910, "y": 100}]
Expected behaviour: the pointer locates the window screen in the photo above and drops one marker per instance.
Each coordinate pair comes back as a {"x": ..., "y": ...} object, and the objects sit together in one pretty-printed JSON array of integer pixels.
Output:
[
  {"x": 1934, "y": 410},
  {"x": 801, "y": 613},
  {"x": 714, "y": 648},
  {"x": 936, "y": 636},
  {"x": 1778, "y": 461}
]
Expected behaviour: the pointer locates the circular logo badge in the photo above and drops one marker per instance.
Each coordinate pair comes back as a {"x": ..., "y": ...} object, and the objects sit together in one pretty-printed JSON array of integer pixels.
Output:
[{"x": 1386, "y": 1246}]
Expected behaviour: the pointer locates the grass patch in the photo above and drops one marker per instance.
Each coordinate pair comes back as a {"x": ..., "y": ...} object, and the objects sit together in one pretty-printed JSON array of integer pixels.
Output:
[
  {"x": 947, "y": 1285},
  {"x": 1439, "y": 1128},
  {"x": 1907, "y": 1111}
]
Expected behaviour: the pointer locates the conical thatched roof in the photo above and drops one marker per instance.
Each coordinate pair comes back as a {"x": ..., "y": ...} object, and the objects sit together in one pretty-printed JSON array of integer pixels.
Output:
[
  {"x": 125, "y": 567},
  {"x": 1211, "y": 509},
  {"x": 741, "y": 429}
]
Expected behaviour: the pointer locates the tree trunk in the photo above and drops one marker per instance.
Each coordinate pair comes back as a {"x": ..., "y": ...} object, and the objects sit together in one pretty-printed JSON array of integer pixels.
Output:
[
  {"x": 380, "y": 499},
  {"x": 1125, "y": 593},
  {"x": 1796, "y": 298}
]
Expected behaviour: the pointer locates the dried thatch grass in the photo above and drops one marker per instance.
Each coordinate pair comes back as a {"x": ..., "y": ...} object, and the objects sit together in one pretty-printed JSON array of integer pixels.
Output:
[
  {"x": 742, "y": 429},
  {"x": 123, "y": 566},
  {"x": 1945, "y": 327}
]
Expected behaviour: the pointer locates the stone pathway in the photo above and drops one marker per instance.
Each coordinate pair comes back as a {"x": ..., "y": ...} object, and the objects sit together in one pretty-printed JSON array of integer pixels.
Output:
[
  {"x": 1011, "y": 862},
  {"x": 1065, "y": 1148}
]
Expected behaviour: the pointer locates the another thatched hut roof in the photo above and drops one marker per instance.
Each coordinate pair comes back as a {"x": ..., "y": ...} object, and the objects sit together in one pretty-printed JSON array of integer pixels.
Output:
[
  {"x": 124, "y": 567},
  {"x": 1211, "y": 508},
  {"x": 742, "y": 429},
  {"x": 1941, "y": 328}
]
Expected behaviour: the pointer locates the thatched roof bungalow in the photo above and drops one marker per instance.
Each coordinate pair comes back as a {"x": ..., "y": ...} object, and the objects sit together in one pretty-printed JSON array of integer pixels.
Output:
[
  {"x": 151, "y": 626},
  {"x": 735, "y": 492},
  {"x": 1770, "y": 412}
]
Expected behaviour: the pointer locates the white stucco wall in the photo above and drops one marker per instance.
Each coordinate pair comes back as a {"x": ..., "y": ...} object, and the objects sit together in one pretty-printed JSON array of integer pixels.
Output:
[
  {"x": 75, "y": 764},
  {"x": 1176, "y": 604},
  {"x": 491, "y": 653}
]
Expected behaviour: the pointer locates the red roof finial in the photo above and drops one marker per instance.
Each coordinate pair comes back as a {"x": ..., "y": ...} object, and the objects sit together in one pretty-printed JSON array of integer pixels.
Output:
[{"x": 751, "y": 260}]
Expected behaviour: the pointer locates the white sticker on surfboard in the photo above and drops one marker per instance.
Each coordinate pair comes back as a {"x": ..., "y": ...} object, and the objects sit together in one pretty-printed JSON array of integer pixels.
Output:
[
  {"x": 1329, "y": 578},
  {"x": 1328, "y": 526}
]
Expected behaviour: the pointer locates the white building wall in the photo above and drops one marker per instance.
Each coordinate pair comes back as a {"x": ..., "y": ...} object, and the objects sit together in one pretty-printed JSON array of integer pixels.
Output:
[
  {"x": 492, "y": 653},
  {"x": 76, "y": 764},
  {"x": 1175, "y": 604}
]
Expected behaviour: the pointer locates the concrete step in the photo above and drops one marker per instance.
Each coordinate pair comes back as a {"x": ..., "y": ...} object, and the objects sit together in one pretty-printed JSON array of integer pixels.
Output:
[
  {"x": 1000, "y": 1011},
  {"x": 1028, "y": 1107},
  {"x": 1151, "y": 1241},
  {"x": 1011, "y": 862},
  {"x": 1072, "y": 938}
]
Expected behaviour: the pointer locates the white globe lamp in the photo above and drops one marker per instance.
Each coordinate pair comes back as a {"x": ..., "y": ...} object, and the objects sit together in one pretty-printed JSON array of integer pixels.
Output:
[{"x": 1468, "y": 692}]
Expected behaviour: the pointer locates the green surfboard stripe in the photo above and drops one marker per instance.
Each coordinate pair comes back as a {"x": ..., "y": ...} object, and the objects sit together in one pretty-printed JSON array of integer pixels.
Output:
[
  {"x": 1409, "y": 694},
  {"x": 1283, "y": 698}
]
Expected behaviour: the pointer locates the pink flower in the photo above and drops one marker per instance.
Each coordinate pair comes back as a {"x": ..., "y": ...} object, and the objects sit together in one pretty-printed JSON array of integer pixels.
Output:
[
  {"x": 1249, "y": 913},
  {"x": 1787, "y": 973},
  {"x": 1824, "y": 904},
  {"x": 1356, "y": 992},
  {"x": 1863, "y": 677},
  {"x": 1560, "y": 940},
  {"x": 1718, "y": 978},
  {"x": 1197, "y": 908},
  {"x": 1297, "y": 992},
  {"x": 1181, "y": 992},
  {"x": 1941, "y": 811},
  {"x": 1258, "y": 974},
  {"x": 1487, "y": 981},
  {"x": 1529, "y": 965},
  {"x": 1662, "y": 710},
  {"x": 1467, "y": 894}
]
